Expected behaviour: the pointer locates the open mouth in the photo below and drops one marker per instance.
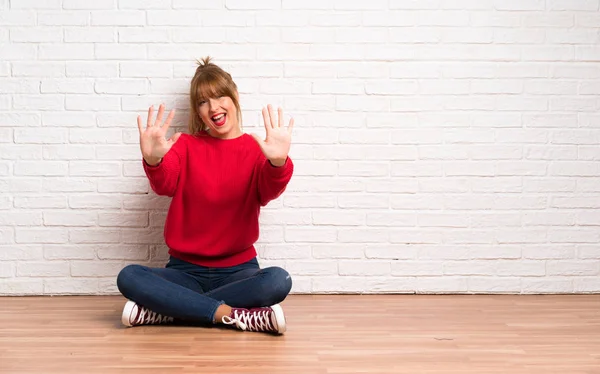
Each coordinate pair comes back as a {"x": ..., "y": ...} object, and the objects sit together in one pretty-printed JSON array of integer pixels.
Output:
[{"x": 219, "y": 119}]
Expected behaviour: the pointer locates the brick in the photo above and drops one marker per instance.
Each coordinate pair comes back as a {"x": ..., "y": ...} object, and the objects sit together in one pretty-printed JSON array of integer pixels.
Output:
[
  {"x": 66, "y": 152},
  {"x": 7, "y": 269},
  {"x": 21, "y": 185},
  {"x": 257, "y": 4},
  {"x": 562, "y": 5},
  {"x": 18, "y": 52},
  {"x": 416, "y": 169},
  {"x": 19, "y": 286},
  {"x": 364, "y": 268},
  {"x": 363, "y": 169},
  {"x": 35, "y": 69},
  {"x": 93, "y": 235},
  {"x": 287, "y": 217},
  {"x": 40, "y": 202},
  {"x": 547, "y": 285},
  {"x": 121, "y": 52},
  {"x": 92, "y": 102},
  {"x": 415, "y": 201},
  {"x": 69, "y": 252},
  {"x": 45, "y": 168},
  {"x": 573, "y": 235},
  {"x": 69, "y": 185},
  {"x": 442, "y": 285},
  {"x": 313, "y": 268},
  {"x": 447, "y": 185},
  {"x": 334, "y": 251},
  {"x": 416, "y": 268},
  {"x": 437, "y": 220},
  {"x": 20, "y": 152},
  {"x": 158, "y": 219},
  {"x": 328, "y": 19},
  {"x": 62, "y": 18},
  {"x": 36, "y": 35},
  {"x": 7, "y": 235},
  {"x": 43, "y": 269},
  {"x": 336, "y": 218},
  {"x": 95, "y": 201},
  {"x": 193, "y": 4},
  {"x": 70, "y": 286},
  {"x": 123, "y": 219},
  {"x": 586, "y": 285},
  {"x": 90, "y": 35},
  {"x": 83, "y": 51},
  {"x": 391, "y": 219},
  {"x": 118, "y": 18},
  {"x": 496, "y": 251},
  {"x": 572, "y": 268},
  {"x": 92, "y": 169},
  {"x": 544, "y": 251},
  {"x": 131, "y": 252},
  {"x": 286, "y": 251},
  {"x": 96, "y": 269},
  {"x": 40, "y": 102},
  {"x": 150, "y": 4},
  {"x": 494, "y": 285},
  {"x": 92, "y": 69},
  {"x": 40, "y": 235},
  {"x": 310, "y": 234},
  {"x": 76, "y": 86},
  {"x": 408, "y": 235},
  {"x": 480, "y": 268},
  {"x": 362, "y": 235},
  {"x": 69, "y": 218},
  {"x": 19, "y": 252}
]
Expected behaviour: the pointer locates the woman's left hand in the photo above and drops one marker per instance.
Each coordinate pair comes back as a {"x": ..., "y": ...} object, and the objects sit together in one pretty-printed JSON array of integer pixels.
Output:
[{"x": 279, "y": 138}]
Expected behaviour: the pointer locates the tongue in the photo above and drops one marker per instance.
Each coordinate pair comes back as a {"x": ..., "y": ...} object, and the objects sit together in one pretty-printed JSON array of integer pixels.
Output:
[{"x": 220, "y": 122}]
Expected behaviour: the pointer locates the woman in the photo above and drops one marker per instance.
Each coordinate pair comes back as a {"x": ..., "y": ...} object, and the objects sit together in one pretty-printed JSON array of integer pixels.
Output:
[{"x": 218, "y": 178}]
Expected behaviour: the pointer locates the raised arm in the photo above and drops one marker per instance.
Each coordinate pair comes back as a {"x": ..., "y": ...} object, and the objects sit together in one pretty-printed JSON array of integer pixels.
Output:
[
  {"x": 160, "y": 163},
  {"x": 276, "y": 169}
]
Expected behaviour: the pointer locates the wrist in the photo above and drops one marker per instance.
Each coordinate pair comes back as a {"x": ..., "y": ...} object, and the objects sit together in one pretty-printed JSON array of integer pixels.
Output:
[
  {"x": 278, "y": 162},
  {"x": 153, "y": 161}
]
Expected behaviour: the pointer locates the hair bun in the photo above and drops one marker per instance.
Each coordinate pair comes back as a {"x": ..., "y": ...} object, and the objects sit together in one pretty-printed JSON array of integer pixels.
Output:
[{"x": 205, "y": 61}]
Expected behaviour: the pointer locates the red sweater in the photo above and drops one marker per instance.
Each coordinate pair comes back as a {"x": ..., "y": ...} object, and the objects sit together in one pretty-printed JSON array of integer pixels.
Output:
[{"x": 217, "y": 188}]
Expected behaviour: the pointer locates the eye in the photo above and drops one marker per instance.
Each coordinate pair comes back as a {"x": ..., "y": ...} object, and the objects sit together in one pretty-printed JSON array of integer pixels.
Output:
[{"x": 202, "y": 102}]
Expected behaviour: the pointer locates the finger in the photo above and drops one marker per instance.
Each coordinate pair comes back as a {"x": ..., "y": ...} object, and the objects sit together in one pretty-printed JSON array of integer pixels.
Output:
[
  {"x": 272, "y": 116},
  {"x": 159, "y": 116},
  {"x": 150, "y": 113},
  {"x": 291, "y": 126},
  {"x": 168, "y": 121},
  {"x": 280, "y": 117},
  {"x": 266, "y": 119},
  {"x": 140, "y": 125}
]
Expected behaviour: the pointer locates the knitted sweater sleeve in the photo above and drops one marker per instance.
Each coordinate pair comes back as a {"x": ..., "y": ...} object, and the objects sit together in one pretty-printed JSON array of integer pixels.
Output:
[
  {"x": 165, "y": 176},
  {"x": 272, "y": 181}
]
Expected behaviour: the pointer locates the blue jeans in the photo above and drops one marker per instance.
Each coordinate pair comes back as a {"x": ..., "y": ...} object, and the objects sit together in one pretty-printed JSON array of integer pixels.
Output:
[{"x": 192, "y": 293}]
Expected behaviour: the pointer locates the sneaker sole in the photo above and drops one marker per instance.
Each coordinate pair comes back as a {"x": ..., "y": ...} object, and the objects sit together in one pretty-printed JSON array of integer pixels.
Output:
[
  {"x": 279, "y": 318},
  {"x": 127, "y": 309}
]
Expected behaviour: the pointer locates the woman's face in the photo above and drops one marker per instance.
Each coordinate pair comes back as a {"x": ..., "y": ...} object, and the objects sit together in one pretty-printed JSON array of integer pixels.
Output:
[{"x": 220, "y": 115}]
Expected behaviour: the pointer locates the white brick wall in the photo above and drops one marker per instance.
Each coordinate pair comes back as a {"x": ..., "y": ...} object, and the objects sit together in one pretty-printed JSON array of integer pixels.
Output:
[{"x": 447, "y": 146}]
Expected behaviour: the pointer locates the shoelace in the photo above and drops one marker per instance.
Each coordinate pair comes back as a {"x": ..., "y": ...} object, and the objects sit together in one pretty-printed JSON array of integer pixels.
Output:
[
  {"x": 148, "y": 317},
  {"x": 251, "y": 321}
]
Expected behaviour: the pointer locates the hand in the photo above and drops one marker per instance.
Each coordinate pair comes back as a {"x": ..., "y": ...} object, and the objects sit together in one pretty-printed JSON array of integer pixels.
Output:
[
  {"x": 277, "y": 144},
  {"x": 152, "y": 139}
]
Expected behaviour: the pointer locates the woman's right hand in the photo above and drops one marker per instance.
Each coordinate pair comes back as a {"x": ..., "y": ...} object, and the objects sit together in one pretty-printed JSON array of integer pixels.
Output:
[{"x": 153, "y": 143}]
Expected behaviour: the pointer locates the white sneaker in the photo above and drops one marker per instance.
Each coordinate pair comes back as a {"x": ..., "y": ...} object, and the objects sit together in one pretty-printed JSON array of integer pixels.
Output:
[
  {"x": 269, "y": 319},
  {"x": 135, "y": 315}
]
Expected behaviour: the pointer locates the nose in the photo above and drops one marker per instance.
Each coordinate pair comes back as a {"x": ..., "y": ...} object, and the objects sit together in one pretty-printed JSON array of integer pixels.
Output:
[{"x": 212, "y": 104}]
